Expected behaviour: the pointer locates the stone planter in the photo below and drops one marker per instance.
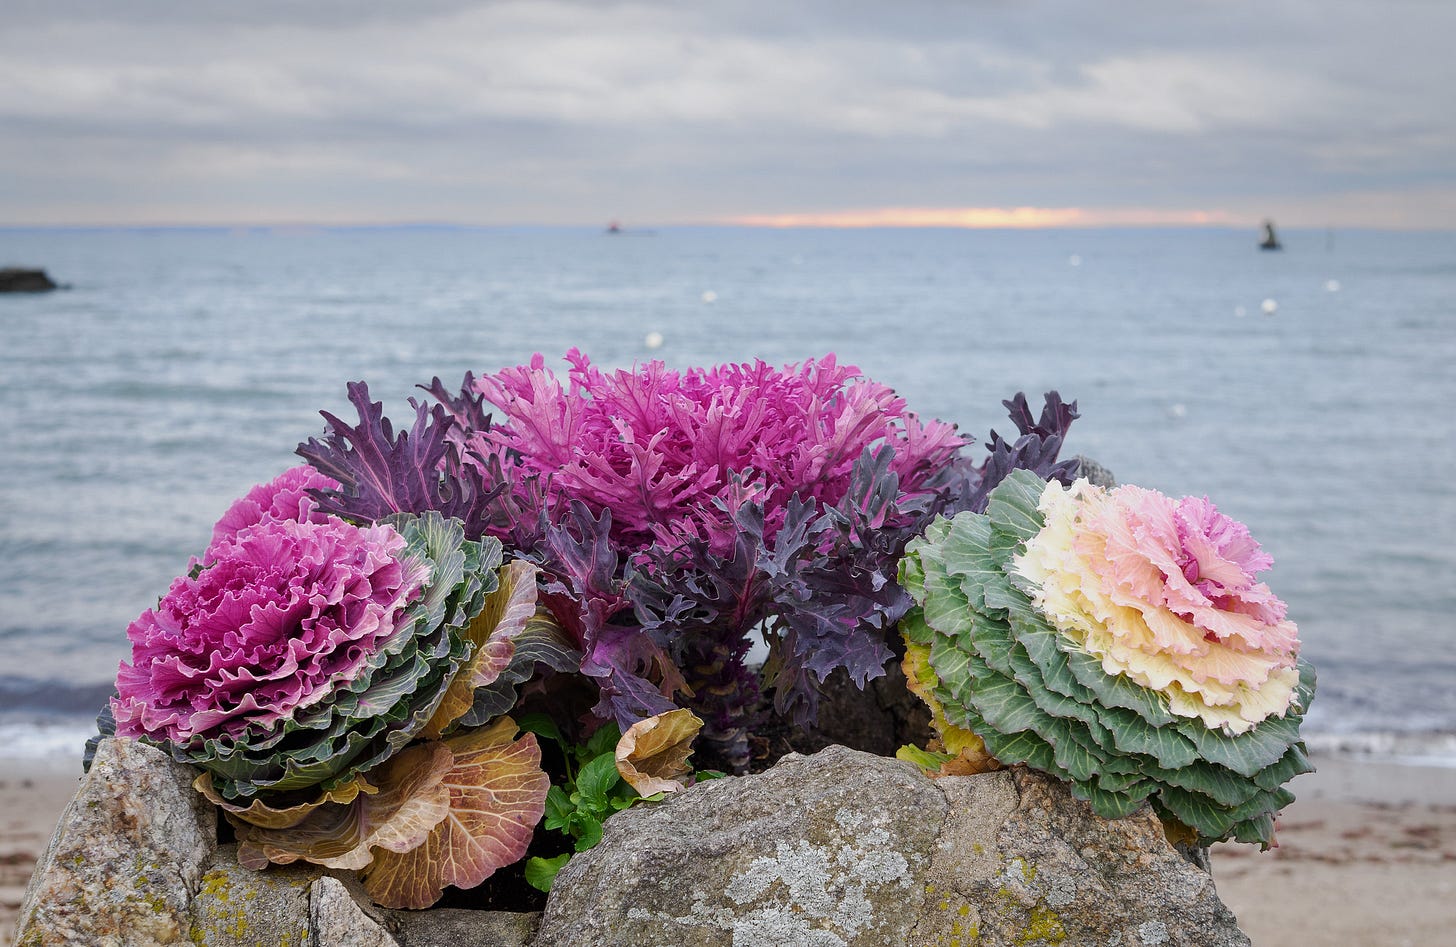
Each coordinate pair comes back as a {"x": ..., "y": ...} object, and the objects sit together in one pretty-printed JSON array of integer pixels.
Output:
[{"x": 838, "y": 848}]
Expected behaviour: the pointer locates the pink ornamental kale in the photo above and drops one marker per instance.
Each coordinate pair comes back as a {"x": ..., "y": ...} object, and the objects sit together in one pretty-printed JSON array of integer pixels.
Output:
[
  {"x": 660, "y": 449},
  {"x": 285, "y": 497},
  {"x": 280, "y": 617}
]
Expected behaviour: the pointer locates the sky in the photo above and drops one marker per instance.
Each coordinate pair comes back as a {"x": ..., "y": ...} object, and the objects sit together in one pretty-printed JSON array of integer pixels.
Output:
[{"x": 1318, "y": 113}]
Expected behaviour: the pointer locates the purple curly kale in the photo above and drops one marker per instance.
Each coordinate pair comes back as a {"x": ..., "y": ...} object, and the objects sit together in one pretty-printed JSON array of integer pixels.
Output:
[
  {"x": 822, "y": 590},
  {"x": 381, "y": 473},
  {"x": 1036, "y": 449}
]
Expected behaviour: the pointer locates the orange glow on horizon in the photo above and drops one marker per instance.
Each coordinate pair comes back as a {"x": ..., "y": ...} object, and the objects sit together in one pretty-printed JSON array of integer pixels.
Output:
[{"x": 986, "y": 217}]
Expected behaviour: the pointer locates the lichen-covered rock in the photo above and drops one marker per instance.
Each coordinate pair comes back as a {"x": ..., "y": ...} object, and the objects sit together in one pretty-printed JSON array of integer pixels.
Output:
[
  {"x": 237, "y": 907},
  {"x": 1021, "y": 861},
  {"x": 841, "y": 848},
  {"x": 126, "y": 858},
  {"x": 817, "y": 851},
  {"x": 845, "y": 848}
]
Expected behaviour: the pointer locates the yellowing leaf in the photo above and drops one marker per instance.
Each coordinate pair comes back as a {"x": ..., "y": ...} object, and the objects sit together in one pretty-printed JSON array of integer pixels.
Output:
[
  {"x": 408, "y": 803},
  {"x": 261, "y": 814},
  {"x": 653, "y": 753},
  {"x": 412, "y": 801},
  {"x": 497, "y": 795},
  {"x": 504, "y": 614},
  {"x": 920, "y": 677}
]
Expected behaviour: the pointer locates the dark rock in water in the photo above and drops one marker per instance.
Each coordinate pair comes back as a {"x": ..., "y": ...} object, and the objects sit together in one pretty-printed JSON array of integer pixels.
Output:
[
  {"x": 18, "y": 280},
  {"x": 1096, "y": 474}
]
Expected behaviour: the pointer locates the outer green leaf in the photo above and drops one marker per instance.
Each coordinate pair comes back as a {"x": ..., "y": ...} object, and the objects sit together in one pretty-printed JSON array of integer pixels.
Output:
[
  {"x": 946, "y": 610},
  {"x": 1294, "y": 762},
  {"x": 1114, "y": 690},
  {"x": 1223, "y": 786},
  {"x": 597, "y": 778},
  {"x": 968, "y": 559},
  {"x": 1247, "y": 753},
  {"x": 541, "y": 872},
  {"x": 1013, "y": 505},
  {"x": 1113, "y": 805}
]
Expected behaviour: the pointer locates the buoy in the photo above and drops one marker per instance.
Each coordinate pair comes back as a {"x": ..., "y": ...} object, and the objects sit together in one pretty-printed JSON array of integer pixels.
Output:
[
  {"x": 1240, "y": 311},
  {"x": 653, "y": 340},
  {"x": 1074, "y": 260},
  {"x": 709, "y": 296},
  {"x": 1332, "y": 286},
  {"x": 1269, "y": 306}
]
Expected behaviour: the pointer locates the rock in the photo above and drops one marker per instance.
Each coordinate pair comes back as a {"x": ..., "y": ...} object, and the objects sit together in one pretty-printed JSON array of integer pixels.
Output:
[
  {"x": 789, "y": 856},
  {"x": 449, "y": 927},
  {"x": 845, "y": 848},
  {"x": 337, "y": 919},
  {"x": 840, "y": 848},
  {"x": 236, "y": 907},
  {"x": 18, "y": 280},
  {"x": 126, "y": 858},
  {"x": 1098, "y": 475},
  {"x": 1020, "y": 860}
]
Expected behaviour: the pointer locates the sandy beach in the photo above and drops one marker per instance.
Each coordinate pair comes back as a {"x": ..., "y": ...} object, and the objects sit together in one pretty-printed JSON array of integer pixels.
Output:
[{"x": 1366, "y": 856}]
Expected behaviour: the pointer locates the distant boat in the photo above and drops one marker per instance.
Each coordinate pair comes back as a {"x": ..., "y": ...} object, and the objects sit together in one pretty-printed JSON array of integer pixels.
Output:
[
  {"x": 614, "y": 227},
  {"x": 1270, "y": 241}
]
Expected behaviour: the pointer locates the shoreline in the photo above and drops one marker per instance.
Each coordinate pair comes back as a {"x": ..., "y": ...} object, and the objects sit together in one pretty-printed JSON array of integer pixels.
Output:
[{"x": 1366, "y": 854}]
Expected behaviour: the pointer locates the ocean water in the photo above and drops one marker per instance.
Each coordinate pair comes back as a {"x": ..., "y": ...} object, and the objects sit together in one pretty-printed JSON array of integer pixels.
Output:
[{"x": 1309, "y": 393}]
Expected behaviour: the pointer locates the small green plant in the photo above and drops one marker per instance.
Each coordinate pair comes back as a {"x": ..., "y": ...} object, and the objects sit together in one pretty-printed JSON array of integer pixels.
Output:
[{"x": 592, "y": 791}]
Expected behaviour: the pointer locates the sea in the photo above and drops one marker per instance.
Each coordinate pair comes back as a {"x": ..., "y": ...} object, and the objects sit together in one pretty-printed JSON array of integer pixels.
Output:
[{"x": 1308, "y": 392}]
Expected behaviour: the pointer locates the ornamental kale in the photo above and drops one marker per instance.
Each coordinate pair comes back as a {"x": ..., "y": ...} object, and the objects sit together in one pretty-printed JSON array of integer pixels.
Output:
[
  {"x": 656, "y": 447},
  {"x": 1118, "y": 640},
  {"x": 380, "y": 473},
  {"x": 677, "y": 517},
  {"x": 679, "y": 514},
  {"x": 343, "y": 689}
]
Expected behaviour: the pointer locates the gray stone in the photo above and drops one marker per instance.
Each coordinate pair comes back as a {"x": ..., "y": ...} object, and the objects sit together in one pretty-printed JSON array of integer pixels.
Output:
[
  {"x": 126, "y": 858},
  {"x": 841, "y": 848},
  {"x": 450, "y": 927},
  {"x": 845, "y": 848},
  {"x": 237, "y": 907},
  {"x": 806, "y": 854},
  {"x": 1021, "y": 861},
  {"x": 337, "y": 919},
  {"x": 1098, "y": 475}
]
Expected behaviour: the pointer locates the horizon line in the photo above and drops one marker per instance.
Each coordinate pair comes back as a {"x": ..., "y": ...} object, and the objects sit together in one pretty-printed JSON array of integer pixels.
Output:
[{"x": 305, "y": 226}]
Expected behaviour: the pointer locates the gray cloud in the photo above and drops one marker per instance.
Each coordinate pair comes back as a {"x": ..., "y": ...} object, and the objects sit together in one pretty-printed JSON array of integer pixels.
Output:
[{"x": 568, "y": 112}]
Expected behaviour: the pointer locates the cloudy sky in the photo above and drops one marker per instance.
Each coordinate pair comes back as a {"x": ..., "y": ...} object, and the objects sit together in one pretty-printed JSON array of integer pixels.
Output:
[{"x": 1316, "y": 112}]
